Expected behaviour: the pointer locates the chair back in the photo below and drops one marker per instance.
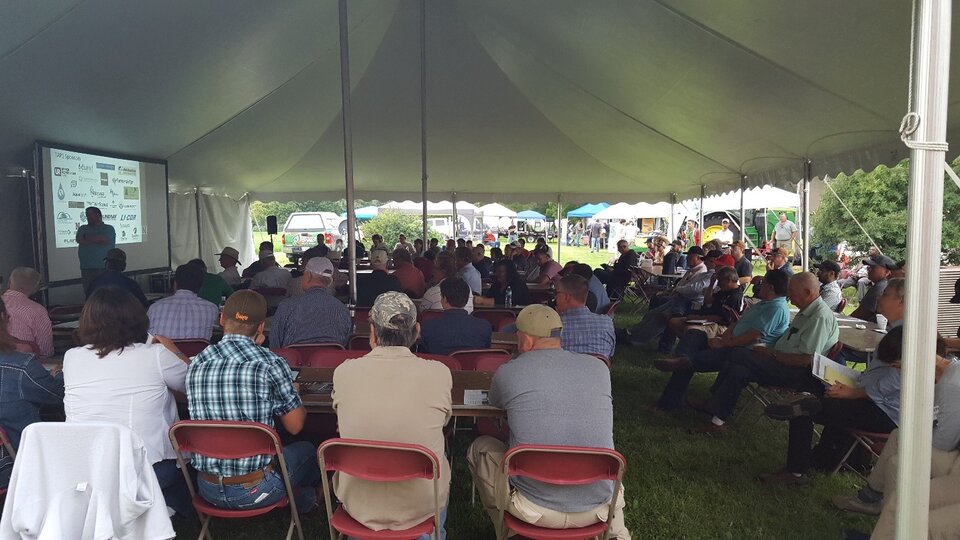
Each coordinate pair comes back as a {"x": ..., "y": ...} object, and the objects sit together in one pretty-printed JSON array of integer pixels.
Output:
[
  {"x": 564, "y": 465},
  {"x": 57, "y": 312},
  {"x": 481, "y": 359},
  {"x": 307, "y": 349},
  {"x": 841, "y": 306},
  {"x": 448, "y": 361},
  {"x": 191, "y": 347},
  {"x": 330, "y": 358},
  {"x": 359, "y": 343},
  {"x": 834, "y": 352},
  {"x": 292, "y": 356},
  {"x": 498, "y": 318},
  {"x": 429, "y": 315},
  {"x": 612, "y": 309},
  {"x": 271, "y": 291},
  {"x": 361, "y": 316},
  {"x": 222, "y": 439},
  {"x": 602, "y": 357}
]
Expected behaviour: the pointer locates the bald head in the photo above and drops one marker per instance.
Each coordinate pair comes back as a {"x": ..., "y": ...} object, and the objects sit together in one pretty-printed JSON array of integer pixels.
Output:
[
  {"x": 25, "y": 280},
  {"x": 804, "y": 289}
]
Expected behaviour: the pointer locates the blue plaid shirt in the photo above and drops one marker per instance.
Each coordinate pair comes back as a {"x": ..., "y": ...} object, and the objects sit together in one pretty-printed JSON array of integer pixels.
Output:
[
  {"x": 586, "y": 332},
  {"x": 183, "y": 316},
  {"x": 237, "y": 379}
]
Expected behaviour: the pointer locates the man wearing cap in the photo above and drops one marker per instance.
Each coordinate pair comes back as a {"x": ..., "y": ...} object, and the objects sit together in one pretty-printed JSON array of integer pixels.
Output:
[
  {"x": 617, "y": 277},
  {"x": 583, "y": 331},
  {"x": 378, "y": 281},
  {"x": 114, "y": 264},
  {"x": 671, "y": 260},
  {"x": 261, "y": 263},
  {"x": 229, "y": 259},
  {"x": 455, "y": 329},
  {"x": 878, "y": 272},
  {"x": 392, "y": 395},
  {"x": 827, "y": 273},
  {"x": 551, "y": 397},
  {"x": 725, "y": 235},
  {"x": 94, "y": 239},
  {"x": 779, "y": 259},
  {"x": 238, "y": 380},
  {"x": 184, "y": 315},
  {"x": 315, "y": 316}
]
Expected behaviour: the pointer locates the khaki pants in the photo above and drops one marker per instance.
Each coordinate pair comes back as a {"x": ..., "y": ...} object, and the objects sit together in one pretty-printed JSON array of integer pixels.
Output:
[
  {"x": 485, "y": 457},
  {"x": 944, "y": 493}
]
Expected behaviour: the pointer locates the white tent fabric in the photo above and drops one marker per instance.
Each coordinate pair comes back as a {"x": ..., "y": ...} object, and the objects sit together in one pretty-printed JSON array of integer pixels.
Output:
[
  {"x": 765, "y": 197},
  {"x": 525, "y": 100},
  {"x": 620, "y": 210},
  {"x": 496, "y": 210},
  {"x": 223, "y": 222}
]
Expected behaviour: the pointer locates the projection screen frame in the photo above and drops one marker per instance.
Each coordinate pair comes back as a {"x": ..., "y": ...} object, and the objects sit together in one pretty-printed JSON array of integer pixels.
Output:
[{"x": 40, "y": 234}]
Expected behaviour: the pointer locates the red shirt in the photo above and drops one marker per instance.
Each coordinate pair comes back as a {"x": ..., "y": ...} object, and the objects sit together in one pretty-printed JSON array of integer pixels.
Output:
[
  {"x": 411, "y": 279},
  {"x": 29, "y": 321}
]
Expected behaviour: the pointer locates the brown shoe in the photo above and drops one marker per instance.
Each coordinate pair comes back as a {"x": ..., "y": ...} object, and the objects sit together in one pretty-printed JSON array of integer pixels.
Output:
[
  {"x": 709, "y": 429},
  {"x": 669, "y": 365},
  {"x": 784, "y": 478},
  {"x": 852, "y": 503}
]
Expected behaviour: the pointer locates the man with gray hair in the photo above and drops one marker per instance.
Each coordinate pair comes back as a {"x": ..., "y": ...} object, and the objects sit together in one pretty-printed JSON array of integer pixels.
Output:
[
  {"x": 315, "y": 316},
  {"x": 28, "y": 320},
  {"x": 392, "y": 395}
]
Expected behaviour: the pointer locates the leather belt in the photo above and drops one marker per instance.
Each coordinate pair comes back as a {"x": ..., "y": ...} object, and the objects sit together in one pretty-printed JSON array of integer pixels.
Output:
[{"x": 249, "y": 478}]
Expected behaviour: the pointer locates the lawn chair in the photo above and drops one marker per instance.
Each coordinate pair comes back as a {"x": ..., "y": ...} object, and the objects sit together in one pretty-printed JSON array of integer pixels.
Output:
[
  {"x": 873, "y": 442},
  {"x": 292, "y": 356},
  {"x": 498, "y": 318},
  {"x": 231, "y": 440},
  {"x": 566, "y": 466},
  {"x": 481, "y": 359},
  {"x": 191, "y": 347},
  {"x": 378, "y": 461}
]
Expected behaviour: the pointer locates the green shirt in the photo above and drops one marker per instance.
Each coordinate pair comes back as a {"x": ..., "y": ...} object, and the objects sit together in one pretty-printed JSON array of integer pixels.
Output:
[
  {"x": 214, "y": 289},
  {"x": 813, "y": 330}
]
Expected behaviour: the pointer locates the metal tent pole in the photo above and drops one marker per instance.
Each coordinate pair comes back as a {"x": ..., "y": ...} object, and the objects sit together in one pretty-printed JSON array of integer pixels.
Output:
[
  {"x": 560, "y": 232},
  {"x": 743, "y": 210},
  {"x": 923, "y": 131},
  {"x": 423, "y": 119},
  {"x": 673, "y": 204},
  {"x": 348, "y": 147},
  {"x": 456, "y": 218},
  {"x": 805, "y": 244},
  {"x": 703, "y": 191}
]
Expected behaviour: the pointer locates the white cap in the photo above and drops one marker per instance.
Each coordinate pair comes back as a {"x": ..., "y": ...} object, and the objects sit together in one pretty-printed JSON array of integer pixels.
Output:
[{"x": 320, "y": 266}]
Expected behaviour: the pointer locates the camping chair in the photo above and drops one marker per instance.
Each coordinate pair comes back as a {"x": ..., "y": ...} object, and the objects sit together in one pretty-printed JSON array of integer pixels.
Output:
[
  {"x": 565, "y": 466},
  {"x": 498, "y": 318},
  {"x": 292, "y": 356},
  {"x": 306, "y": 349},
  {"x": 429, "y": 315},
  {"x": 873, "y": 442},
  {"x": 191, "y": 347},
  {"x": 481, "y": 359},
  {"x": 378, "y": 461},
  {"x": 452, "y": 363},
  {"x": 330, "y": 358},
  {"x": 231, "y": 440}
]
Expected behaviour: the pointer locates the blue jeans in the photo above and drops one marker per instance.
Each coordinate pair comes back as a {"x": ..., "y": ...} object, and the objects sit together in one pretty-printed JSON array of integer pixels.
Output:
[
  {"x": 704, "y": 361},
  {"x": 174, "y": 487},
  {"x": 443, "y": 530},
  {"x": 301, "y": 458}
]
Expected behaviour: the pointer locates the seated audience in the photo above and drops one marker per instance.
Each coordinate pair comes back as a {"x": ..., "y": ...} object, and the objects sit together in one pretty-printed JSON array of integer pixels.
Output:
[
  {"x": 549, "y": 268},
  {"x": 434, "y": 246},
  {"x": 719, "y": 308},
  {"x": 787, "y": 364},
  {"x": 446, "y": 266},
  {"x": 377, "y": 282},
  {"x": 411, "y": 279},
  {"x": 315, "y": 316},
  {"x": 878, "y": 272},
  {"x": 114, "y": 376},
  {"x": 214, "y": 288},
  {"x": 229, "y": 260},
  {"x": 583, "y": 331},
  {"x": 184, "y": 315},
  {"x": 262, "y": 263},
  {"x": 455, "y": 329},
  {"x": 466, "y": 271},
  {"x": 827, "y": 273},
  {"x": 26, "y": 386},
  {"x": 27, "y": 320},
  {"x": 857, "y": 277},
  {"x": 404, "y": 245},
  {"x": 741, "y": 263},
  {"x": 671, "y": 260},
  {"x": 418, "y": 248},
  {"x": 425, "y": 264},
  {"x": 505, "y": 277},
  {"x": 595, "y": 288},
  {"x": 495, "y": 255},
  {"x": 481, "y": 262},
  {"x": 238, "y": 380},
  {"x": 319, "y": 250},
  {"x": 551, "y": 397},
  {"x": 779, "y": 259},
  {"x": 392, "y": 395},
  {"x": 698, "y": 352},
  {"x": 541, "y": 245},
  {"x": 378, "y": 245},
  {"x": 114, "y": 265},
  {"x": 272, "y": 276},
  {"x": 617, "y": 277}
]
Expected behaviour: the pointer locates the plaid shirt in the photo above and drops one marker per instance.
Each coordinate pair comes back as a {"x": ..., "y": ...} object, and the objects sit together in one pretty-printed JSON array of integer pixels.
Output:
[
  {"x": 586, "y": 332},
  {"x": 183, "y": 316},
  {"x": 238, "y": 380},
  {"x": 28, "y": 321}
]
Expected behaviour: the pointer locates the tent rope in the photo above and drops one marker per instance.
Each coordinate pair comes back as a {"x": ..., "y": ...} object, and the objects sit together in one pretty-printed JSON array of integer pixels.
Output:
[
  {"x": 855, "y": 220},
  {"x": 911, "y": 121}
]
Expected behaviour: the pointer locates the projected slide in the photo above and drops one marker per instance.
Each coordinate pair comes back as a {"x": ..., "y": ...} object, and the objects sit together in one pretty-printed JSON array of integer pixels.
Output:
[{"x": 80, "y": 180}]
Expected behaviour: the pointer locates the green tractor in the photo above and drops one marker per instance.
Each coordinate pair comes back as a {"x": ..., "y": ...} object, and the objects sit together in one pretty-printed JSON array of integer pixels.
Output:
[{"x": 757, "y": 220}]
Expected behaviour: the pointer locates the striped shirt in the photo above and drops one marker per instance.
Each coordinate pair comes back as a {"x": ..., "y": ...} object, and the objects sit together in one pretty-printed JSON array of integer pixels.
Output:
[
  {"x": 238, "y": 380},
  {"x": 29, "y": 321},
  {"x": 313, "y": 317},
  {"x": 183, "y": 316},
  {"x": 587, "y": 333}
]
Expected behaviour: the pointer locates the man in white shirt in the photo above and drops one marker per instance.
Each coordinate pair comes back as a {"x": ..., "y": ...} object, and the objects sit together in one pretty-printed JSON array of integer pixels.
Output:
[
  {"x": 827, "y": 273},
  {"x": 229, "y": 259},
  {"x": 271, "y": 277},
  {"x": 403, "y": 244},
  {"x": 725, "y": 236},
  {"x": 184, "y": 315}
]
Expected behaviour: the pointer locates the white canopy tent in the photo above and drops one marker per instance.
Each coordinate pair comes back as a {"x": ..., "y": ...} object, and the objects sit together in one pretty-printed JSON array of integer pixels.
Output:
[{"x": 496, "y": 210}]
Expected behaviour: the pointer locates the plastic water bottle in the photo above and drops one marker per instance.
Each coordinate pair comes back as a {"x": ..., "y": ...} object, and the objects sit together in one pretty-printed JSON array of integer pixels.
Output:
[{"x": 508, "y": 297}]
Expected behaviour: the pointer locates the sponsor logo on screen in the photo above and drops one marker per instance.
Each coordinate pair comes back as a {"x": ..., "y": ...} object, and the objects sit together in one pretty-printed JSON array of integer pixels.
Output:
[
  {"x": 124, "y": 205},
  {"x": 63, "y": 216},
  {"x": 127, "y": 171},
  {"x": 78, "y": 194},
  {"x": 110, "y": 217},
  {"x": 75, "y": 204},
  {"x": 97, "y": 193},
  {"x": 114, "y": 193},
  {"x": 123, "y": 234},
  {"x": 106, "y": 166},
  {"x": 84, "y": 167},
  {"x": 131, "y": 193},
  {"x": 126, "y": 181},
  {"x": 104, "y": 176},
  {"x": 63, "y": 171},
  {"x": 128, "y": 217},
  {"x": 60, "y": 193},
  {"x": 73, "y": 183},
  {"x": 104, "y": 182}
]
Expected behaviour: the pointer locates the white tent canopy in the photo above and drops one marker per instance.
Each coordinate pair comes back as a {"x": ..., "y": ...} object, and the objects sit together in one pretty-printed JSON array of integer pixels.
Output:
[
  {"x": 765, "y": 197},
  {"x": 525, "y": 100},
  {"x": 496, "y": 210}
]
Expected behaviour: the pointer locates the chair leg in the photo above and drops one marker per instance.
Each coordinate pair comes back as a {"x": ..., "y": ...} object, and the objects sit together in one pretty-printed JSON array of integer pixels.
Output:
[
  {"x": 295, "y": 525},
  {"x": 845, "y": 457},
  {"x": 205, "y": 528}
]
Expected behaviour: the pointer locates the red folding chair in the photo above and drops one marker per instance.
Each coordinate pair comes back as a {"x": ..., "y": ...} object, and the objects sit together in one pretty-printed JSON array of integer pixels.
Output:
[
  {"x": 448, "y": 361},
  {"x": 498, "y": 318},
  {"x": 330, "y": 358},
  {"x": 873, "y": 442},
  {"x": 562, "y": 466},
  {"x": 8, "y": 449},
  {"x": 231, "y": 440},
  {"x": 359, "y": 343},
  {"x": 841, "y": 306},
  {"x": 612, "y": 309},
  {"x": 602, "y": 357},
  {"x": 66, "y": 312},
  {"x": 191, "y": 347},
  {"x": 293, "y": 357},
  {"x": 378, "y": 461},
  {"x": 429, "y": 315},
  {"x": 481, "y": 359},
  {"x": 361, "y": 317},
  {"x": 307, "y": 349}
]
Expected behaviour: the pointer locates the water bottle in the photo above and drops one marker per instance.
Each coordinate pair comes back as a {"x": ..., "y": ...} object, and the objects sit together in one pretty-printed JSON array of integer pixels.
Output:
[{"x": 508, "y": 297}]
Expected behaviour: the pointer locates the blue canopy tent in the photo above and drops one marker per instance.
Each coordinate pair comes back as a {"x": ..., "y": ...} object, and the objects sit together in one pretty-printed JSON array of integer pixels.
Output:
[
  {"x": 587, "y": 210},
  {"x": 530, "y": 214},
  {"x": 367, "y": 212}
]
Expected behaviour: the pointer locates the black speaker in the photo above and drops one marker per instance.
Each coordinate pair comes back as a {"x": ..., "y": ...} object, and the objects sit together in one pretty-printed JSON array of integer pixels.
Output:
[{"x": 271, "y": 224}]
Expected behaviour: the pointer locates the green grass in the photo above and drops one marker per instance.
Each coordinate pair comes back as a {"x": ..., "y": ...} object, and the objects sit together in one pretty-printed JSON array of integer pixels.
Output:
[{"x": 677, "y": 486}]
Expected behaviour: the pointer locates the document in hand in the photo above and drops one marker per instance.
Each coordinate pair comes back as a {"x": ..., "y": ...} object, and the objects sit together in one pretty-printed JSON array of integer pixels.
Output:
[{"x": 832, "y": 372}]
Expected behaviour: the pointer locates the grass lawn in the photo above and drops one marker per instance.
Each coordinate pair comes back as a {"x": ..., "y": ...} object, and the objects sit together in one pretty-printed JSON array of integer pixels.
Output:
[{"x": 678, "y": 485}]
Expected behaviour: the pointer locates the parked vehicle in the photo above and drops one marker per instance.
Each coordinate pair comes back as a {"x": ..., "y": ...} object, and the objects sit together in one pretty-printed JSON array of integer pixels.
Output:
[{"x": 300, "y": 231}]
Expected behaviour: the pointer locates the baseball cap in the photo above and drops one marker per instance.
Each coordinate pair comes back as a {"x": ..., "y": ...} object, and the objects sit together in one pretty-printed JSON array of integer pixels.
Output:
[
  {"x": 726, "y": 260},
  {"x": 320, "y": 266},
  {"x": 245, "y": 306},
  {"x": 956, "y": 293},
  {"x": 379, "y": 256},
  {"x": 695, "y": 250},
  {"x": 714, "y": 254},
  {"x": 266, "y": 254},
  {"x": 881, "y": 260},
  {"x": 230, "y": 252},
  {"x": 394, "y": 311},
  {"x": 538, "y": 320},
  {"x": 116, "y": 254},
  {"x": 829, "y": 266}
]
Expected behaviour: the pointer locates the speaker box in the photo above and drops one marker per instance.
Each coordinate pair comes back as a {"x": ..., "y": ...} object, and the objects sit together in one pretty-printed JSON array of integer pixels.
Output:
[{"x": 271, "y": 224}]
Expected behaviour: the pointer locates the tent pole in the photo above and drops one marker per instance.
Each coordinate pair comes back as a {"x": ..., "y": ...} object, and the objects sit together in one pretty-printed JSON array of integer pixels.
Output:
[
  {"x": 560, "y": 234},
  {"x": 348, "y": 147},
  {"x": 423, "y": 118},
  {"x": 703, "y": 192},
  {"x": 805, "y": 245},
  {"x": 743, "y": 210},
  {"x": 673, "y": 231},
  {"x": 930, "y": 80},
  {"x": 456, "y": 218},
  {"x": 196, "y": 202}
]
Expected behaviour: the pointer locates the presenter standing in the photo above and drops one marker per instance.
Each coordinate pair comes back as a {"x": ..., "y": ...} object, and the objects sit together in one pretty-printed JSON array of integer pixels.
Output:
[{"x": 94, "y": 240}]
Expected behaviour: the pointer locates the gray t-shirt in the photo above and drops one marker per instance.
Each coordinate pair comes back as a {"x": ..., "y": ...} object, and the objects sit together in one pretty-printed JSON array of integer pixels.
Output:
[
  {"x": 869, "y": 301},
  {"x": 557, "y": 397},
  {"x": 946, "y": 399}
]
